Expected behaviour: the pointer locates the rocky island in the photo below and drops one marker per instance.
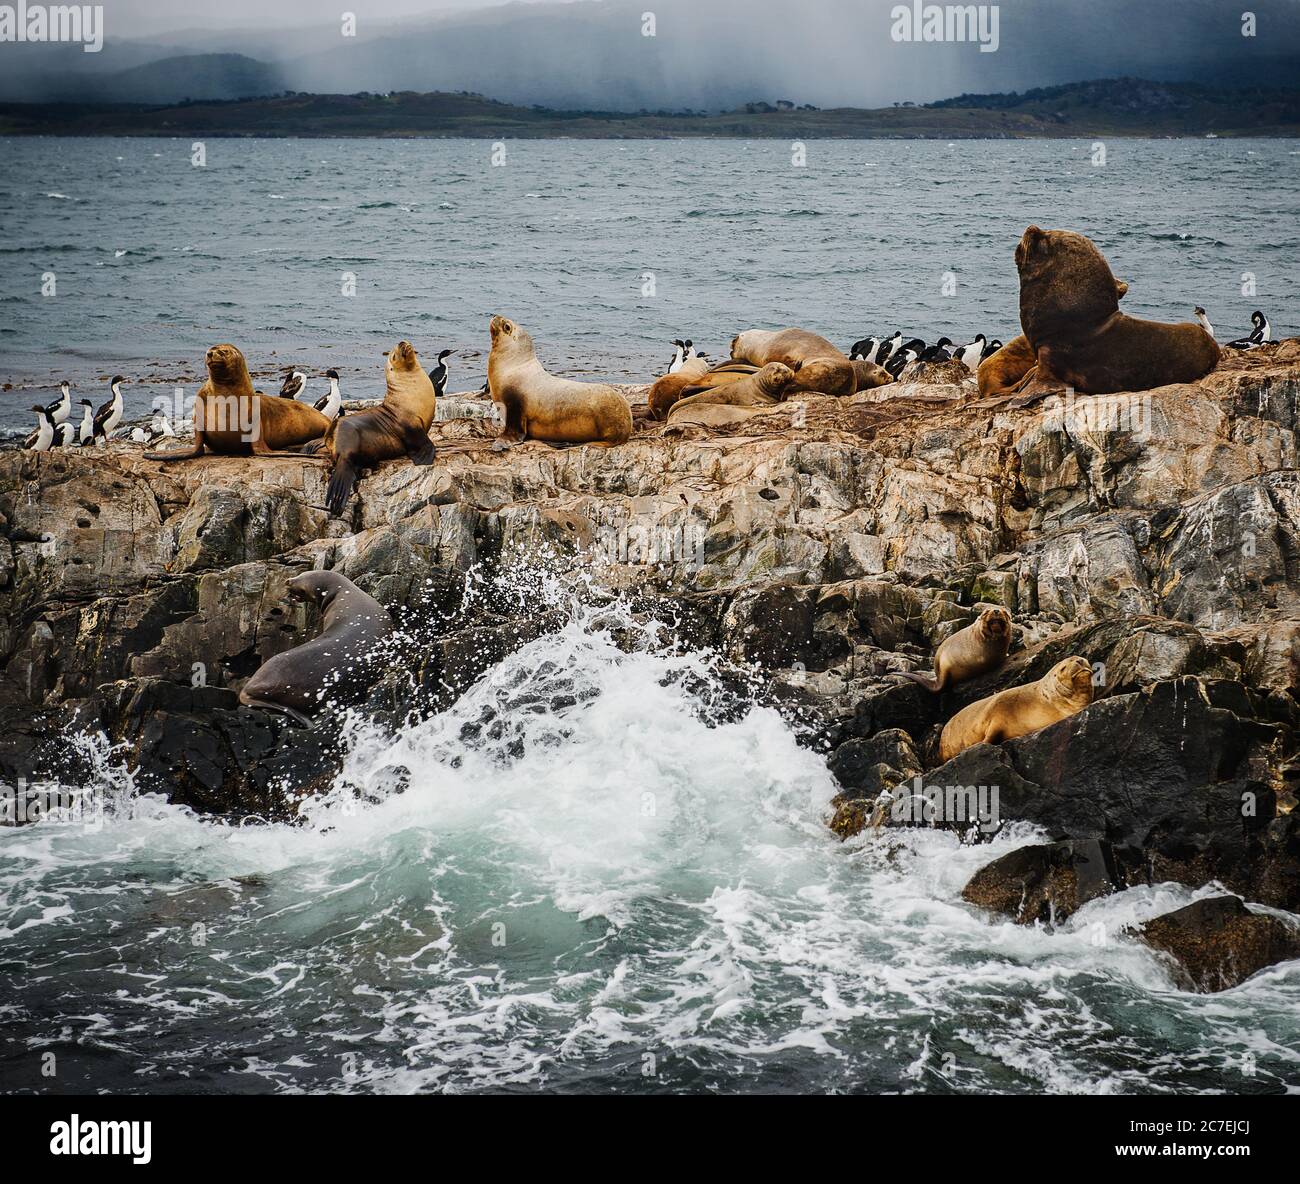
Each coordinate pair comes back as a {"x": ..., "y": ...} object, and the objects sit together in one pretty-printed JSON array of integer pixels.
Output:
[{"x": 821, "y": 547}]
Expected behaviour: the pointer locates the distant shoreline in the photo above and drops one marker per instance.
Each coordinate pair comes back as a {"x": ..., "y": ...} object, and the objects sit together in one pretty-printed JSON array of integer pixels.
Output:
[{"x": 1109, "y": 108}]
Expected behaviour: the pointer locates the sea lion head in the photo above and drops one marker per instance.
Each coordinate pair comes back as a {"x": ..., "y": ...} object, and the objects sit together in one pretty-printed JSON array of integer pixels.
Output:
[
  {"x": 867, "y": 375},
  {"x": 226, "y": 365},
  {"x": 317, "y": 587},
  {"x": 995, "y": 624},
  {"x": 1072, "y": 680},
  {"x": 775, "y": 379},
  {"x": 509, "y": 335},
  {"x": 403, "y": 357},
  {"x": 1066, "y": 286}
]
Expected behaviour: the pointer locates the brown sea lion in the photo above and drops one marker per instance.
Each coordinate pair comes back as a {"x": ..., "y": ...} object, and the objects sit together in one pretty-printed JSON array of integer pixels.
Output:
[
  {"x": 232, "y": 419},
  {"x": 1062, "y": 691},
  {"x": 1069, "y": 311},
  {"x": 539, "y": 406},
  {"x": 399, "y": 426},
  {"x": 822, "y": 366},
  {"x": 764, "y": 388},
  {"x": 670, "y": 387},
  {"x": 341, "y": 661},
  {"x": 1000, "y": 373},
  {"x": 980, "y": 647}
]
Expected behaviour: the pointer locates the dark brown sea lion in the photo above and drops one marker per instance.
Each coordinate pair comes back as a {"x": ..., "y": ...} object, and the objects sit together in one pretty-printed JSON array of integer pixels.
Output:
[
  {"x": 764, "y": 388},
  {"x": 1061, "y": 692},
  {"x": 399, "y": 426},
  {"x": 232, "y": 419},
  {"x": 822, "y": 366},
  {"x": 1069, "y": 311},
  {"x": 980, "y": 647},
  {"x": 670, "y": 387},
  {"x": 339, "y": 663},
  {"x": 540, "y": 406}
]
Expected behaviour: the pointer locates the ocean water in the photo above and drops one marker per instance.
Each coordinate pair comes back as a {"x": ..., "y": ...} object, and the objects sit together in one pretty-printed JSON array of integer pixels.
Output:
[
  {"x": 605, "y": 250},
  {"x": 595, "y": 872}
]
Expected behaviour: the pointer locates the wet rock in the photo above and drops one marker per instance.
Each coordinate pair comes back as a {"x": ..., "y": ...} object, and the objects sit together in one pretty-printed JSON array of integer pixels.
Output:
[
  {"x": 1218, "y": 942},
  {"x": 1045, "y": 882}
]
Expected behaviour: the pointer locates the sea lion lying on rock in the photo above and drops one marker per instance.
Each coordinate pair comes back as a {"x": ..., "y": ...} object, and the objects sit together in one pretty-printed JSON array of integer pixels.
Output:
[
  {"x": 340, "y": 661},
  {"x": 980, "y": 647},
  {"x": 232, "y": 419},
  {"x": 539, "y": 406},
  {"x": 1061, "y": 692},
  {"x": 1069, "y": 311},
  {"x": 668, "y": 389},
  {"x": 822, "y": 367},
  {"x": 763, "y": 388},
  {"x": 399, "y": 426}
]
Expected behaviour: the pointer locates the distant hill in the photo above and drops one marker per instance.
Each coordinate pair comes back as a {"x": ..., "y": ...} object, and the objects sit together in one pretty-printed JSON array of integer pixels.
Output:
[{"x": 1114, "y": 107}]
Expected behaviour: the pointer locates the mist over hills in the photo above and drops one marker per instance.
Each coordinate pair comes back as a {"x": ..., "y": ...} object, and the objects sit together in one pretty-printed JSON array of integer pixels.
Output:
[{"x": 705, "y": 55}]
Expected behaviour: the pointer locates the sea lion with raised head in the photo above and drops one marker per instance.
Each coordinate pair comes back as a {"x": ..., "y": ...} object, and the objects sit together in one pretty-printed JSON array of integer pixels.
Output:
[
  {"x": 1069, "y": 311},
  {"x": 1061, "y": 692},
  {"x": 232, "y": 419},
  {"x": 536, "y": 405},
  {"x": 340, "y": 662},
  {"x": 980, "y": 647},
  {"x": 822, "y": 366},
  {"x": 763, "y": 388},
  {"x": 399, "y": 426}
]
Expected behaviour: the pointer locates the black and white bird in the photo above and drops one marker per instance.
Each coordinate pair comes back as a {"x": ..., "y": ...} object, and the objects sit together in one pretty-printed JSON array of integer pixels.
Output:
[
  {"x": 971, "y": 353},
  {"x": 86, "y": 429},
  {"x": 887, "y": 348},
  {"x": 109, "y": 414},
  {"x": 1261, "y": 333},
  {"x": 159, "y": 429},
  {"x": 990, "y": 349},
  {"x": 437, "y": 376},
  {"x": 691, "y": 355},
  {"x": 1203, "y": 320},
  {"x": 900, "y": 359},
  {"x": 330, "y": 403},
  {"x": 295, "y": 382},
  {"x": 41, "y": 439},
  {"x": 864, "y": 349},
  {"x": 938, "y": 352},
  {"x": 61, "y": 408},
  {"x": 65, "y": 434},
  {"x": 679, "y": 357}
]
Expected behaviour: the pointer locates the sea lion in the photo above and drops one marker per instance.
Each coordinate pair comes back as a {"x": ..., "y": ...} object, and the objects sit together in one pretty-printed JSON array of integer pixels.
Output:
[
  {"x": 822, "y": 367},
  {"x": 1062, "y": 691},
  {"x": 232, "y": 419},
  {"x": 399, "y": 426},
  {"x": 1069, "y": 311},
  {"x": 668, "y": 389},
  {"x": 764, "y": 388},
  {"x": 1003, "y": 371},
  {"x": 539, "y": 406},
  {"x": 980, "y": 647},
  {"x": 340, "y": 660}
]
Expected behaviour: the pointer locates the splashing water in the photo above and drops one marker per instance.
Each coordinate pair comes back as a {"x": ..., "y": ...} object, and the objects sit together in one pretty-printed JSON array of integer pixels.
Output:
[{"x": 581, "y": 877}]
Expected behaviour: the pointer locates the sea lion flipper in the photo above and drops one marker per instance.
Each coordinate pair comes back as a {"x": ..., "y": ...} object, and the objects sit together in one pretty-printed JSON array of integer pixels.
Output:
[
  {"x": 930, "y": 684},
  {"x": 419, "y": 447},
  {"x": 177, "y": 453},
  {"x": 266, "y": 704},
  {"x": 342, "y": 481}
]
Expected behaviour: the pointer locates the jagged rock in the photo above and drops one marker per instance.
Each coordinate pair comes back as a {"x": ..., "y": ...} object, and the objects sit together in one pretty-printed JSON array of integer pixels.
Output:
[
  {"x": 1218, "y": 942},
  {"x": 1045, "y": 882}
]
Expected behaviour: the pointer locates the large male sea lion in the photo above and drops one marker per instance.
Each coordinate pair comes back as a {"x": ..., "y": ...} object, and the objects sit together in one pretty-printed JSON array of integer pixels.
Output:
[
  {"x": 1069, "y": 311},
  {"x": 340, "y": 661},
  {"x": 980, "y": 647},
  {"x": 822, "y": 366},
  {"x": 399, "y": 426},
  {"x": 763, "y": 388},
  {"x": 232, "y": 419},
  {"x": 539, "y": 406},
  {"x": 1062, "y": 691}
]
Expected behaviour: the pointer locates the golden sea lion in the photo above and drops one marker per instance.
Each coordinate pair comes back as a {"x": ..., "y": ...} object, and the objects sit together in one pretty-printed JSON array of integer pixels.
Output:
[
  {"x": 399, "y": 426},
  {"x": 539, "y": 406},
  {"x": 1062, "y": 691},
  {"x": 339, "y": 662},
  {"x": 232, "y": 419},
  {"x": 980, "y": 647},
  {"x": 670, "y": 387},
  {"x": 1069, "y": 311},
  {"x": 764, "y": 388},
  {"x": 822, "y": 366}
]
